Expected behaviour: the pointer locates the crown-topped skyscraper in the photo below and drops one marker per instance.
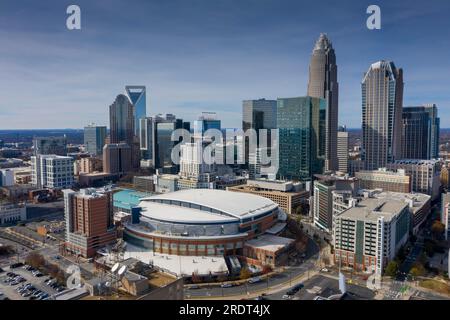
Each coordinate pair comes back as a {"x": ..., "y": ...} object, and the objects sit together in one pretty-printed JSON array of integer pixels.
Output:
[{"x": 323, "y": 84}]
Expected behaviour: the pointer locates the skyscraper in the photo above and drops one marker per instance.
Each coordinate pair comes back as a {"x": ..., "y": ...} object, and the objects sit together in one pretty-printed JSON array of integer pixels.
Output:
[
  {"x": 258, "y": 114},
  {"x": 121, "y": 120},
  {"x": 208, "y": 120},
  {"x": 420, "y": 132},
  {"x": 323, "y": 84},
  {"x": 342, "y": 149},
  {"x": 117, "y": 158},
  {"x": 382, "y": 99},
  {"x": 94, "y": 139},
  {"x": 301, "y": 125},
  {"x": 146, "y": 141},
  {"x": 137, "y": 95}
]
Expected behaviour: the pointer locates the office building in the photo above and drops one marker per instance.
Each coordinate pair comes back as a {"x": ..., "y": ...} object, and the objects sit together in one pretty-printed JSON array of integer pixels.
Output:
[
  {"x": 425, "y": 175},
  {"x": 116, "y": 158},
  {"x": 94, "y": 139},
  {"x": 342, "y": 150},
  {"x": 287, "y": 194},
  {"x": 90, "y": 165},
  {"x": 368, "y": 235},
  {"x": 395, "y": 181},
  {"x": 195, "y": 171},
  {"x": 323, "y": 84},
  {"x": 163, "y": 144},
  {"x": 322, "y": 204},
  {"x": 7, "y": 177},
  {"x": 144, "y": 183},
  {"x": 256, "y": 115},
  {"x": 89, "y": 221},
  {"x": 137, "y": 95},
  {"x": 301, "y": 125},
  {"x": 146, "y": 141},
  {"x": 420, "y": 132},
  {"x": 12, "y": 213},
  {"x": 50, "y": 145},
  {"x": 52, "y": 171},
  {"x": 382, "y": 99},
  {"x": 121, "y": 121},
  {"x": 208, "y": 120}
]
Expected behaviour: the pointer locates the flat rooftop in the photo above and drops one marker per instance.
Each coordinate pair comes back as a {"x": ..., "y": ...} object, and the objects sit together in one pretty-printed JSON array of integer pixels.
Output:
[
  {"x": 371, "y": 209},
  {"x": 269, "y": 242},
  {"x": 178, "y": 265}
]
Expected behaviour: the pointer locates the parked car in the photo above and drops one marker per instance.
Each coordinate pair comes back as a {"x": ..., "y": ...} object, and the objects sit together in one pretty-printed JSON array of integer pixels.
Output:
[
  {"x": 254, "y": 280},
  {"x": 227, "y": 285},
  {"x": 16, "y": 265}
]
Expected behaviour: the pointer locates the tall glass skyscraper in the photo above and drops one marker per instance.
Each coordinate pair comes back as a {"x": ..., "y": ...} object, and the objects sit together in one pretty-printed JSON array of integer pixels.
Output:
[
  {"x": 382, "y": 100},
  {"x": 50, "y": 146},
  {"x": 137, "y": 95},
  {"x": 208, "y": 120},
  {"x": 94, "y": 139},
  {"x": 323, "y": 84},
  {"x": 420, "y": 132},
  {"x": 121, "y": 121},
  {"x": 301, "y": 123}
]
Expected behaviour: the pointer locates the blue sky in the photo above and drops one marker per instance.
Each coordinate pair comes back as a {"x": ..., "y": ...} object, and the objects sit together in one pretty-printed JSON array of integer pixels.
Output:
[{"x": 207, "y": 55}]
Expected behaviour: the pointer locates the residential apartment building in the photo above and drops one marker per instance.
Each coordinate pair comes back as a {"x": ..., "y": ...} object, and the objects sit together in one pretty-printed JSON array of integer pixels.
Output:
[
  {"x": 89, "y": 220},
  {"x": 368, "y": 235},
  {"x": 51, "y": 171},
  {"x": 396, "y": 181},
  {"x": 425, "y": 175}
]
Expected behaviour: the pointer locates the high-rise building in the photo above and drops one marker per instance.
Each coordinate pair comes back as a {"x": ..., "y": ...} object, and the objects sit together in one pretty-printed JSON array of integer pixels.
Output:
[
  {"x": 89, "y": 220},
  {"x": 259, "y": 114},
  {"x": 256, "y": 115},
  {"x": 301, "y": 125},
  {"x": 369, "y": 234},
  {"x": 50, "y": 145},
  {"x": 137, "y": 95},
  {"x": 52, "y": 171},
  {"x": 323, "y": 84},
  {"x": 146, "y": 141},
  {"x": 94, "y": 139},
  {"x": 342, "y": 150},
  {"x": 322, "y": 206},
  {"x": 208, "y": 120},
  {"x": 163, "y": 144},
  {"x": 420, "y": 132},
  {"x": 116, "y": 158},
  {"x": 121, "y": 120},
  {"x": 195, "y": 172},
  {"x": 6, "y": 177},
  {"x": 425, "y": 175},
  {"x": 382, "y": 99}
]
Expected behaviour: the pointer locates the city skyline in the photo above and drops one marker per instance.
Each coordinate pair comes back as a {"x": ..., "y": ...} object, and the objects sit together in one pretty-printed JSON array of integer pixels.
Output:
[{"x": 225, "y": 57}]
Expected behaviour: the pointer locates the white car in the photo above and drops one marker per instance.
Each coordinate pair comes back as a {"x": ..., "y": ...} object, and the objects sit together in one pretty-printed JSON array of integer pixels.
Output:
[{"x": 324, "y": 270}]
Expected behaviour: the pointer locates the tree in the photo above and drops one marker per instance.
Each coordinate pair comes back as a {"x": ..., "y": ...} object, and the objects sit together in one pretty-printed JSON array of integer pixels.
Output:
[
  {"x": 6, "y": 250},
  {"x": 417, "y": 270},
  {"x": 195, "y": 277},
  {"x": 391, "y": 269},
  {"x": 35, "y": 260},
  {"x": 245, "y": 273},
  {"x": 437, "y": 228}
]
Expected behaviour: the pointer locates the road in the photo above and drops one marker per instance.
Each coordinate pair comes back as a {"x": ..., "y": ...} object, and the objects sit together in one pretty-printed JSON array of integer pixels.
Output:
[{"x": 287, "y": 277}]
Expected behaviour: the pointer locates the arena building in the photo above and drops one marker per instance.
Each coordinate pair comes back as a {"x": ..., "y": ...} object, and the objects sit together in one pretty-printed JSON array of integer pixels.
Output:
[{"x": 201, "y": 222}]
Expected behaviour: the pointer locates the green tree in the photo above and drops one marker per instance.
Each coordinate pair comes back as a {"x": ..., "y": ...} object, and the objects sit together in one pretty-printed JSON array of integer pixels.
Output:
[
  {"x": 391, "y": 269},
  {"x": 417, "y": 270}
]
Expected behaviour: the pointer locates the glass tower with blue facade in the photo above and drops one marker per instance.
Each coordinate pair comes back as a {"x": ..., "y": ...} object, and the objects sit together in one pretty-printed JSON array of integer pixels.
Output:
[
  {"x": 137, "y": 95},
  {"x": 301, "y": 124}
]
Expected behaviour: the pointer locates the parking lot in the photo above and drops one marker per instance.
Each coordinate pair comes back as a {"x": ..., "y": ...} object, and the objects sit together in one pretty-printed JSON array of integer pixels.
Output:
[{"x": 22, "y": 284}]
